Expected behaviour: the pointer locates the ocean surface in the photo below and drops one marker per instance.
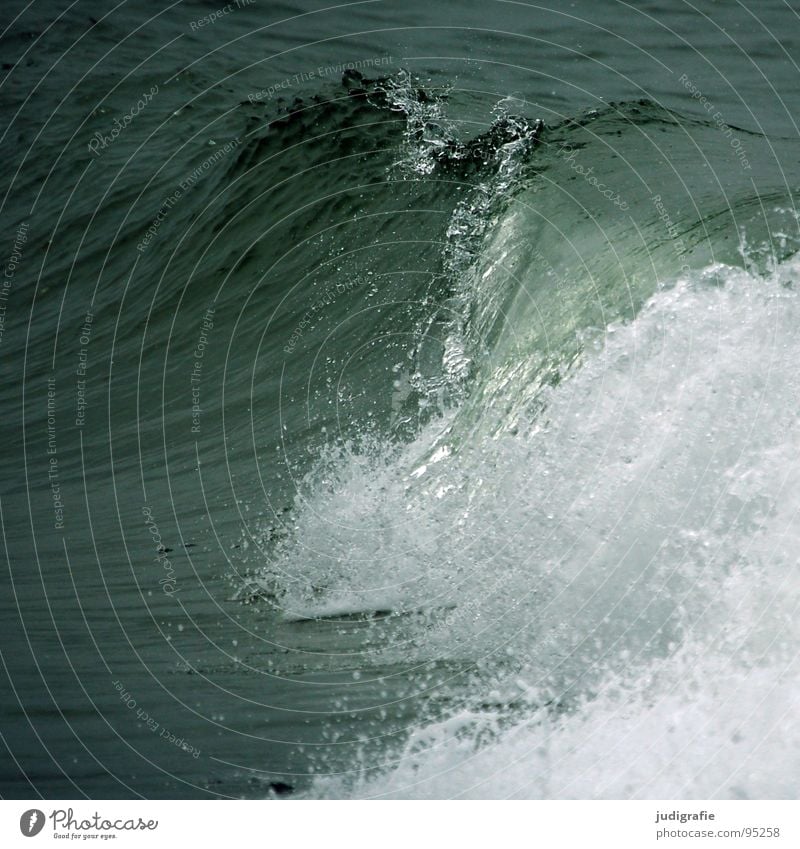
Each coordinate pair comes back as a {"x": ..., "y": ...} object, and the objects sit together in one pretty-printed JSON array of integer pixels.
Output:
[{"x": 400, "y": 399}]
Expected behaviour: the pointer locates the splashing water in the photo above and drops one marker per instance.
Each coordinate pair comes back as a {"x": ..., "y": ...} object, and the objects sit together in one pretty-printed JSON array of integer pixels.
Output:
[{"x": 628, "y": 557}]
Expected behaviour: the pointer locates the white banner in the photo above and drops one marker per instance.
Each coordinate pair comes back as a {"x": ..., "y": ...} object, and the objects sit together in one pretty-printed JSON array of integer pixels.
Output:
[{"x": 302, "y": 824}]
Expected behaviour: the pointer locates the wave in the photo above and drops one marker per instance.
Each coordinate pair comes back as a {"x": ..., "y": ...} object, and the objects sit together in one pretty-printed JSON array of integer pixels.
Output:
[
  {"x": 581, "y": 478},
  {"x": 623, "y": 571}
]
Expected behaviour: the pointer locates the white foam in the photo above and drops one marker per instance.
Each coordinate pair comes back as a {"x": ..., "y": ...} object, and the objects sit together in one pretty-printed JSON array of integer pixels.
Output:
[{"x": 631, "y": 554}]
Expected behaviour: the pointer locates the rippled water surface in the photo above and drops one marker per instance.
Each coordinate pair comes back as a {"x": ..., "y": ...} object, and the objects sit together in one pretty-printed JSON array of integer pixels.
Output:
[{"x": 400, "y": 399}]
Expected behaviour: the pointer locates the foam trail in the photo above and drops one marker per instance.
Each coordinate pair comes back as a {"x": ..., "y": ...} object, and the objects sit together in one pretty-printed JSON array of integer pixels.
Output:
[{"x": 630, "y": 555}]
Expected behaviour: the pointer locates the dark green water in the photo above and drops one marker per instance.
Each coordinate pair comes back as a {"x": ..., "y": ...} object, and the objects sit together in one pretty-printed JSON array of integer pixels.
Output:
[{"x": 423, "y": 431}]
